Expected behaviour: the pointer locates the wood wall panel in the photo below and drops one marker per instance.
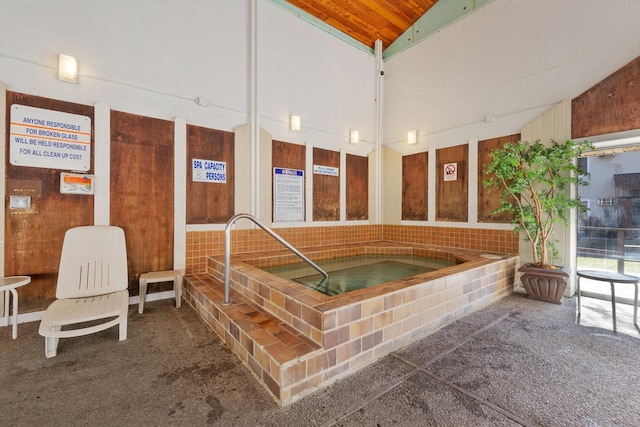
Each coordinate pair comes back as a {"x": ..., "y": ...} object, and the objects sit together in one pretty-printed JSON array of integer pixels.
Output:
[
  {"x": 452, "y": 197},
  {"x": 210, "y": 203},
  {"x": 489, "y": 197},
  {"x": 609, "y": 106},
  {"x": 414, "y": 187},
  {"x": 289, "y": 156},
  {"x": 326, "y": 188},
  {"x": 357, "y": 192},
  {"x": 142, "y": 158},
  {"x": 33, "y": 238}
]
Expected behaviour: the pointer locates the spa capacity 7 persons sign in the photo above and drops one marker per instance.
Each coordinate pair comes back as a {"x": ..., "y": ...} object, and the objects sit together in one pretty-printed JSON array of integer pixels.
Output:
[
  {"x": 208, "y": 171},
  {"x": 49, "y": 139}
]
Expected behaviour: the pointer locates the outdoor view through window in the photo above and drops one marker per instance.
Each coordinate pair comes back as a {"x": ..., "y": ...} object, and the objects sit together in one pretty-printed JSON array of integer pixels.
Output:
[{"x": 609, "y": 233}]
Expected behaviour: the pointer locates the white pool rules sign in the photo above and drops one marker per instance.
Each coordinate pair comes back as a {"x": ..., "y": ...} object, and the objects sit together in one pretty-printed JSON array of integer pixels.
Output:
[
  {"x": 49, "y": 139},
  {"x": 288, "y": 195}
]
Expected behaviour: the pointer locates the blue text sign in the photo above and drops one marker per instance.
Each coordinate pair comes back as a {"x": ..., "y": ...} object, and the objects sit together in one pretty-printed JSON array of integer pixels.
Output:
[{"x": 209, "y": 171}]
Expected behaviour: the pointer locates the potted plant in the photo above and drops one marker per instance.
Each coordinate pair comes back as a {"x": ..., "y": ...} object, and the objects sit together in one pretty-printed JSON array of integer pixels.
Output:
[{"x": 535, "y": 180}]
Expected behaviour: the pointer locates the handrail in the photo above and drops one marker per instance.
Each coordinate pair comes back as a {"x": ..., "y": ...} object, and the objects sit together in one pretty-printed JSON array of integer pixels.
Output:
[
  {"x": 620, "y": 252},
  {"x": 227, "y": 251}
]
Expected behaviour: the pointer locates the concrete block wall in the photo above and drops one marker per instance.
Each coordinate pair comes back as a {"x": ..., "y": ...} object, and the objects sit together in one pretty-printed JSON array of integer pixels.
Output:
[{"x": 503, "y": 65}]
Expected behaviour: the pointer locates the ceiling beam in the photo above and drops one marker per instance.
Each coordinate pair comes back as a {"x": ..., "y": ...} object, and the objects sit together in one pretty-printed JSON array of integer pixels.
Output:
[{"x": 442, "y": 14}]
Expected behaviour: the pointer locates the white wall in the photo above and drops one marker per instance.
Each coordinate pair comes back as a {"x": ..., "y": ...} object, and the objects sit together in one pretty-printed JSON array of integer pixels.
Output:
[
  {"x": 154, "y": 57},
  {"x": 513, "y": 60},
  {"x": 149, "y": 57},
  {"x": 553, "y": 124},
  {"x": 306, "y": 71},
  {"x": 391, "y": 187}
]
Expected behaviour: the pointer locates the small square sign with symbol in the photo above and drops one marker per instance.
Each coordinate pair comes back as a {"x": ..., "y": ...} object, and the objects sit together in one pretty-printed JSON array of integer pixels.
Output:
[{"x": 450, "y": 171}]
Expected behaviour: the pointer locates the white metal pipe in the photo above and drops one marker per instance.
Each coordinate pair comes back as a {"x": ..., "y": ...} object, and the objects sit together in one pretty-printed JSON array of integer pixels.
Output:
[
  {"x": 255, "y": 125},
  {"x": 378, "y": 121}
]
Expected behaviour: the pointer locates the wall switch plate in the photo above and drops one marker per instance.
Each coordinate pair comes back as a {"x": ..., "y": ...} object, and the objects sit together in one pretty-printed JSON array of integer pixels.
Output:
[{"x": 19, "y": 202}]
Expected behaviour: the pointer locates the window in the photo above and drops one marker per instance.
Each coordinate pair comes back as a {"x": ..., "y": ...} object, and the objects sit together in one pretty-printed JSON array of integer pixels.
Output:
[
  {"x": 605, "y": 202},
  {"x": 583, "y": 163},
  {"x": 608, "y": 235}
]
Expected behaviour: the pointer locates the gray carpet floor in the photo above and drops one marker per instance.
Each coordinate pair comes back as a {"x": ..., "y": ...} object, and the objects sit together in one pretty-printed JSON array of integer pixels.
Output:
[{"x": 517, "y": 362}]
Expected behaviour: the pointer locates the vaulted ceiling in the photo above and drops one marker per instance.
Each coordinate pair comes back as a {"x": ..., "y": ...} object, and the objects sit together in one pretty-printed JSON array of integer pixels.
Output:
[{"x": 367, "y": 20}]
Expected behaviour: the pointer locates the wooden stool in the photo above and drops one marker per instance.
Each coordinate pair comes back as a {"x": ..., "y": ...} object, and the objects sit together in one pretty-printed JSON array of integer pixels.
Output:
[{"x": 174, "y": 276}]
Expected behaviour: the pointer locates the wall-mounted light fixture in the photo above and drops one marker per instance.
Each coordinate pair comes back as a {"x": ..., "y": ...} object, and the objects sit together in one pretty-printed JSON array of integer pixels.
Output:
[
  {"x": 412, "y": 137},
  {"x": 68, "y": 68},
  {"x": 294, "y": 122},
  {"x": 354, "y": 136}
]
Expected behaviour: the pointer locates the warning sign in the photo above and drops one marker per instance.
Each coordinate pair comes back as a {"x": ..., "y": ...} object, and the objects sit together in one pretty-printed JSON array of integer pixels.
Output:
[
  {"x": 450, "y": 171},
  {"x": 49, "y": 139}
]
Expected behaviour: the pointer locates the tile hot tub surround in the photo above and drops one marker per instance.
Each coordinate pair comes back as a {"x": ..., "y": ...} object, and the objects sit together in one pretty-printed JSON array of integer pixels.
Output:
[
  {"x": 296, "y": 340},
  {"x": 203, "y": 244}
]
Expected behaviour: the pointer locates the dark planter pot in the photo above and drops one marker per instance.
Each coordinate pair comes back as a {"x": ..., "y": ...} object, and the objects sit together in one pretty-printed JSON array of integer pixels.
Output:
[{"x": 542, "y": 284}]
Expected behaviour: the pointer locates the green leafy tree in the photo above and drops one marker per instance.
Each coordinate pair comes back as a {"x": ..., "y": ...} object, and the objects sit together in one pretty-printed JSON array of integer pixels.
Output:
[{"x": 535, "y": 180}]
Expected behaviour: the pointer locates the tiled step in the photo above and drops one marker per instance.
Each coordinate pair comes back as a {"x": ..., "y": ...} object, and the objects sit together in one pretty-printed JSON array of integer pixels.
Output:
[{"x": 274, "y": 351}]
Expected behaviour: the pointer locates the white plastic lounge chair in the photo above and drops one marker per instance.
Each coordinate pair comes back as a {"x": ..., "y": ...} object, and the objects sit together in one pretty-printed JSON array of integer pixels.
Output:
[{"x": 92, "y": 286}]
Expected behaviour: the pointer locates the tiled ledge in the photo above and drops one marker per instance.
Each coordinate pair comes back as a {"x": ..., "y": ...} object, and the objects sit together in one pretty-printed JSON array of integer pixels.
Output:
[
  {"x": 316, "y": 315},
  {"x": 273, "y": 350},
  {"x": 203, "y": 244}
]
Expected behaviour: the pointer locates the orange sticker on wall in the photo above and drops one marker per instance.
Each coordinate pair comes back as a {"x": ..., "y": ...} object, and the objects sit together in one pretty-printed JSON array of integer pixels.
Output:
[{"x": 75, "y": 183}]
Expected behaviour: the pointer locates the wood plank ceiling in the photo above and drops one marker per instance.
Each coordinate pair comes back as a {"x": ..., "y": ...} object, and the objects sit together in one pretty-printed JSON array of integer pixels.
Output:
[{"x": 367, "y": 20}]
